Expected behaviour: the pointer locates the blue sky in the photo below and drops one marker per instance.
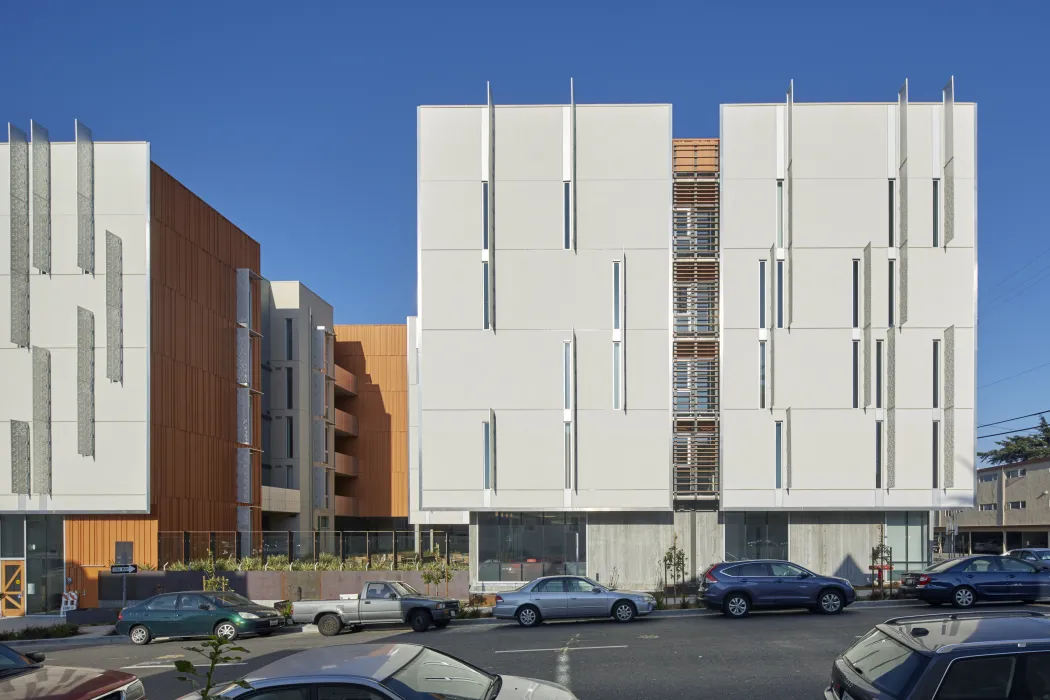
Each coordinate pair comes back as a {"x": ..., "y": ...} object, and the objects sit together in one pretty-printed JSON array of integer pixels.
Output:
[{"x": 297, "y": 121}]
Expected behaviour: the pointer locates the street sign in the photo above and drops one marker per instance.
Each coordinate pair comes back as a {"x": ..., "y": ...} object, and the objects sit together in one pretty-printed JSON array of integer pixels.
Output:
[{"x": 124, "y": 569}]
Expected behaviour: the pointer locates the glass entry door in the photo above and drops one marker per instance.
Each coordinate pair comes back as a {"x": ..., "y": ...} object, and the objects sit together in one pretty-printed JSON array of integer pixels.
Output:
[{"x": 12, "y": 588}]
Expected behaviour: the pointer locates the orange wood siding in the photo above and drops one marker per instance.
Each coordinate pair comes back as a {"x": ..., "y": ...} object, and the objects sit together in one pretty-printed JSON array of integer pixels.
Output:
[
  {"x": 377, "y": 355},
  {"x": 194, "y": 256}
]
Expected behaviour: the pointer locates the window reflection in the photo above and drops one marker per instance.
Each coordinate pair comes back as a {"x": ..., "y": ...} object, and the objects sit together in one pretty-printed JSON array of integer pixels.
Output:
[
  {"x": 524, "y": 546},
  {"x": 756, "y": 536}
]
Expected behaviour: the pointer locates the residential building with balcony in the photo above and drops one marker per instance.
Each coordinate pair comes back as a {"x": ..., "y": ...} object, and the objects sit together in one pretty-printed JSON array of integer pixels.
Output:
[
  {"x": 129, "y": 366},
  {"x": 1012, "y": 510},
  {"x": 760, "y": 345}
]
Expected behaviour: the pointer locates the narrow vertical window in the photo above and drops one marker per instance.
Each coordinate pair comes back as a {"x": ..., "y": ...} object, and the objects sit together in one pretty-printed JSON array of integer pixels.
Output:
[
  {"x": 289, "y": 435},
  {"x": 780, "y": 293},
  {"x": 936, "y": 453},
  {"x": 856, "y": 374},
  {"x": 566, "y": 207},
  {"x": 936, "y": 213},
  {"x": 878, "y": 374},
  {"x": 856, "y": 293},
  {"x": 761, "y": 374},
  {"x": 780, "y": 452},
  {"x": 567, "y": 374},
  {"x": 761, "y": 293},
  {"x": 616, "y": 294},
  {"x": 780, "y": 213},
  {"x": 486, "y": 429},
  {"x": 288, "y": 391},
  {"x": 568, "y": 455},
  {"x": 485, "y": 295},
  {"x": 617, "y": 375},
  {"x": 878, "y": 454},
  {"x": 893, "y": 214},
  {"x": 936, "y": 374},
  {"x": 289, "y": 339},
  {"x": 485, "y": 215},
  {"x": 891, "y": 296}
]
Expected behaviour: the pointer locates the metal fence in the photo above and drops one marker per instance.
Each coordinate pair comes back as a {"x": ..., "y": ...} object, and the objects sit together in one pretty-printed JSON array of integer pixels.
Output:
[{"x": 362, "y": 548}]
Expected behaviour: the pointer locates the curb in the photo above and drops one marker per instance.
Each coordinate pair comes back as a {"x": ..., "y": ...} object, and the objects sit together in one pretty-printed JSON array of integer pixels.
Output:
[{"x": 66, "y": 642}]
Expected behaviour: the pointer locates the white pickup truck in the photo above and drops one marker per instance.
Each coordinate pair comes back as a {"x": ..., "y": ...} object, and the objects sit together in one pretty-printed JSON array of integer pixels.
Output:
[{"x": 380, "y": 603}]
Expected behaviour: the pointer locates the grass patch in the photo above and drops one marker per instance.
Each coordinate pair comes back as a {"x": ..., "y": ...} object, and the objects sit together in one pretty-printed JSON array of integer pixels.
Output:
[{"x": 48, "y": 632}]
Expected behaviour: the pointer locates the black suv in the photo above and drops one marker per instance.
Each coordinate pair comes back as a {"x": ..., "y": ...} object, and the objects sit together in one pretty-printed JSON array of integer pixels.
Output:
[{"x": 958, "y": 656}]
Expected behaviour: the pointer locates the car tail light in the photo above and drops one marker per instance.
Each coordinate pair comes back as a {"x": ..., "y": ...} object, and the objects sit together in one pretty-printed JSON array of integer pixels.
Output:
[
  {"x": 924, "y": 579},
  {"x": 708, "y": 576},
  {"x": 120, "y": 616},
  {"x": 499, "y": 599}
]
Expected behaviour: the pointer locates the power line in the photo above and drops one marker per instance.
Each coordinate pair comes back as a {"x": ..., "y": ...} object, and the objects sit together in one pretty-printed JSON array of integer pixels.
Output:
[
  {"x": 1006, "y": 432},
  {"x": 1012, "y": 376},
  {"x": 1003, "y": 280},
  {"x": 1009, "y": 420},
  {"x": 1042, "y": 276}
]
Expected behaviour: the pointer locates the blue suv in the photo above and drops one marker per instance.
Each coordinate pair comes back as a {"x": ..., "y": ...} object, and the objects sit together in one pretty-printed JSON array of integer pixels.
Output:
[{"x": 737, "y": 587}]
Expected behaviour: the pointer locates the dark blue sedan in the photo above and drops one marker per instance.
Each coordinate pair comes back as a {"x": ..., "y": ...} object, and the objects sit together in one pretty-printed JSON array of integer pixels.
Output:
[
  {"x": 737, "y": 587},
  {"x": 967, "y": 581}
]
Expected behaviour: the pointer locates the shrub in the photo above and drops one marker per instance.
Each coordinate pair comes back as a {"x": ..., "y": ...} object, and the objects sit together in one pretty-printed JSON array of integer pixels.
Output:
[
  {"x": 228, "y": 563},
  {"x": 250, "y": 564},
  {"x": 327, "y": 561},
  {"x": 216, "y": 583},
  {"x": 277, "y": 562},
  {"x": 48, "y": 632}
]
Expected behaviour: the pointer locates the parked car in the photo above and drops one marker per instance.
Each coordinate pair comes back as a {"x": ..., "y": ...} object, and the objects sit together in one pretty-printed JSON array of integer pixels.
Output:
[
  {"x": 380, "y": 603},
  {"x": 386, "y": 672},
  {"x": 948, "y": 656},
  {"x": 24, "y": 676},
  {"x": 196, "y": 614},
  {"x": 1039, "y": 556},
  {"x": 966, "y": 581},
  {"x": 561, "y": 597},
  {"x": 737, "y": 587}
]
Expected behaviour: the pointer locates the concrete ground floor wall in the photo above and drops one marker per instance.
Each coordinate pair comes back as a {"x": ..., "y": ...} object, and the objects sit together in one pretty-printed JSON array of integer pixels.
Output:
[{"x": 626, "y": 549}]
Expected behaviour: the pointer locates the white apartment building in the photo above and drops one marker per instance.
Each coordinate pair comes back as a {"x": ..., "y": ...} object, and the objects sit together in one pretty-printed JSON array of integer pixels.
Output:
[{"x": 765, "y": 348}]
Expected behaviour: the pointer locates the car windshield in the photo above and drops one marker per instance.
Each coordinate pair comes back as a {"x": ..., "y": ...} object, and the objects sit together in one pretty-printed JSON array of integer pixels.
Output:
[
  {"x": 227, "y": 599},
  {"x": 404, "y": 589},
  {"x": 885, "y": 663},
  {"x": 595, "y": 584},
  {"x": 432, "y": 674},
  {"x": 9, "y": 658}
]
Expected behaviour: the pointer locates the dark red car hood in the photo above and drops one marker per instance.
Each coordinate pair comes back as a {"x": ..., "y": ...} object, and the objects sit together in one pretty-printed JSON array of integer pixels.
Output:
[{"x": 62, "y": 683}]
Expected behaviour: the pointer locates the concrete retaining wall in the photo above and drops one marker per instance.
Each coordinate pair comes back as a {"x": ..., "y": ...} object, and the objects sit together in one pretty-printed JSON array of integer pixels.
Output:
[
  {"x": 835, "y": 544},
  {"x": 269, "y": 585}
]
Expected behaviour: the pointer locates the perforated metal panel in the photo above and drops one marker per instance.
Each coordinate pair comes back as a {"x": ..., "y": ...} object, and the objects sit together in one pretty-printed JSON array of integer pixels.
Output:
[
  {"x": 244, "y": 475},
  {"x": 949, "y": 203},
  {"x": 244, "y": 526},
  {"x": 317, "y": 395},
  {"x": 891, "y": 404},
  {"x": 317, "y": 440},
  {"x": 114, "y": 308},
  {"x": 19, "y": 190},
  {"x": 20, "y": 457},
  {"x": 41, "y": 420},
  {"x": 319, "y": 478},
  {"x": 244, "y": 357},
  {"x": 902, "y": 285},
  {"x": 787, "y": 449},
  {"x": 949, "y": 367},
  {"x": 244, "y": 416},
  {"x": 41, "y": 198},
  {"x": 317, "y": 349},
  {"x": 244, "y": 297},
  {"x": 85, "y": 199},
  {"x": 85, "y": 382},
  {"x": 949, "y": 448}
]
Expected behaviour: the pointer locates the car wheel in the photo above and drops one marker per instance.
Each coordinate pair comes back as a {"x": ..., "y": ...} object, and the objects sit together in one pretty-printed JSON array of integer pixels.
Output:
[
  {"x": 140, "y": 635},
  {"x": 442, "y": 624},
  {"x": 329, "y": 625},
  {"x": 528, "y": 616},
  {"x": 420, "y": 621},
  {"x": 830, "y": 602},
  {"x": 964, "y": 597},
  {"x": 736, "y": 605},
  {"x": 226, "y": 630},
  {"x": 624, "y": 611}
]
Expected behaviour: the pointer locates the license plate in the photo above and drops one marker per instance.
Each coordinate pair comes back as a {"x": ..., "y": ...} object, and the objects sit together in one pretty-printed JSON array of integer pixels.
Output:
[
  {"x": 274, "y": 623},
  {"x": 453, "y": 613}
]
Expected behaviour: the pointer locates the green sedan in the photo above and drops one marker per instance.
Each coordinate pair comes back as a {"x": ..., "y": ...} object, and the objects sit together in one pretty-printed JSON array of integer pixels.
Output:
[{"x": 196, "y": 614}]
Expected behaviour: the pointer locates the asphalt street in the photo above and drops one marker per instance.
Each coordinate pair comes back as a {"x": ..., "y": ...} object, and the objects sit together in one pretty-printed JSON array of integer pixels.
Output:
[{"x": 786, "y": 655}]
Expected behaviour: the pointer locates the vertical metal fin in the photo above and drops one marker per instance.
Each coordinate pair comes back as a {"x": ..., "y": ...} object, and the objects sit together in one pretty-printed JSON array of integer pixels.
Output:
[
  {"x": 85, "y": 382},
  {"x": 19, "y": 164},
  {"x": 20, "y": 457},
  {"x": 85, "y": 199},
  {"x": 42, "y": 420},
  {"x": 41, "y": 198},
  {"x": 114, "y": 308}
]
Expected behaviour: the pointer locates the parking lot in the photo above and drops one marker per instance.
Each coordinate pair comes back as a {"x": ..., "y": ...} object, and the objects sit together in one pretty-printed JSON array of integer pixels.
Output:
[{"x": 784, "y": 654}]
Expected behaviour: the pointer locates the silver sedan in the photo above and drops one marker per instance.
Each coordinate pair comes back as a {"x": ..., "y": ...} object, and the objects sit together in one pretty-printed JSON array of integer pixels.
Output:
[{"x": 554, "y": 597}]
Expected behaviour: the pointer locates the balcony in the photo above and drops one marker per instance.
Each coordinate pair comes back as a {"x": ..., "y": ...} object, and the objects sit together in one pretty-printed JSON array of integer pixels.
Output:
[
  {"x": 345, "y": 465},
  {"x": 345, "y": 424},
  {"x": 345, "y": 382},
  {"x": 278, "y": 500},
  {"x": 345, "y": 505}
]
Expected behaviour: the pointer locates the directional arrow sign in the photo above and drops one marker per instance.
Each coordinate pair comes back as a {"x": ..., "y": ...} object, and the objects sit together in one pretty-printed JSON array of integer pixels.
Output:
[{"x": 124, "y": 569}]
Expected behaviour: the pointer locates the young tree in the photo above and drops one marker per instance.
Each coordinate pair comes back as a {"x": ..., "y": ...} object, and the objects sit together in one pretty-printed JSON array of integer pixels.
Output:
[
  {"x": 216, "y": 651},
  {"x": 1020, "y": 448}
]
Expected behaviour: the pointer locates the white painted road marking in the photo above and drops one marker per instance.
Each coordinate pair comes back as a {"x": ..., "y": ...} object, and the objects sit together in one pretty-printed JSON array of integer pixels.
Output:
[
  {"x": 561, "y": 673},
  {"x": 522, "y": 651}
]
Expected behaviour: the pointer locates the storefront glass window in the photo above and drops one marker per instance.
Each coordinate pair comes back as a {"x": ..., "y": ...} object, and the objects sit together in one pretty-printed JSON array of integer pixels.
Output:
[
  {"x": 524, "y": 546},
  {"x": 908, "y": 536},
  {"x": 12, "y": 536},
  {"x": 45, "y": 571},
  {"x": 756, "y": 536}
]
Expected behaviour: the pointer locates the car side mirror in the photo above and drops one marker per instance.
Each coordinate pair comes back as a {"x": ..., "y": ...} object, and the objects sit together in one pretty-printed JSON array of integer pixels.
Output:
[
  {"x": 803, "y": 575},
  {"x": 36, "y": 656},
  {"x": 204, "y": 606},
  {"x": 392, "y": 596},
  {"x": 596, "y": 590}
]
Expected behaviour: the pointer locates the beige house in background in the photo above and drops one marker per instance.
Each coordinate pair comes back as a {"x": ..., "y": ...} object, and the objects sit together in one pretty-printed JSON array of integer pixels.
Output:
[{"x": 1012, "y": 510}]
